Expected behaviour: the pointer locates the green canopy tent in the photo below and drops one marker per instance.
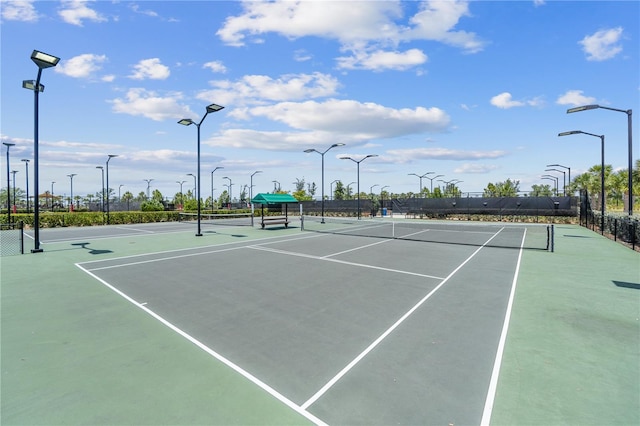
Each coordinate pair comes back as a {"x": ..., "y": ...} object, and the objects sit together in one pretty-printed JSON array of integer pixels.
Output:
[{"x": 272, "y": 200}]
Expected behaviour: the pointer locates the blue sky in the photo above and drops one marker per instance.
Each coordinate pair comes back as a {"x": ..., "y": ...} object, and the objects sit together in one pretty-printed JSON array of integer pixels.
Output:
[{"x": 475, "y": 91}]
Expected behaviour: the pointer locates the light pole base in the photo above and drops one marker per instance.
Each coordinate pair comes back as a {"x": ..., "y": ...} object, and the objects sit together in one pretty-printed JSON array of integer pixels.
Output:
[
  {"x": 39, "y": 250},
  {"x": 198, "y": 235}
]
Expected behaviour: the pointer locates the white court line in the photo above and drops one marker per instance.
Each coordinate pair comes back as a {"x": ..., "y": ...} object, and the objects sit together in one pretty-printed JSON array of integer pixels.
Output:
[
  {"x": 344, "y": 262},
  {"x": 180, "y": 256},
  {"x": 376, "y": 342},
  {"x": 136, "y": 229},
  {"x": 213, "y": 353},
  {"x": 495, "y": 374}
]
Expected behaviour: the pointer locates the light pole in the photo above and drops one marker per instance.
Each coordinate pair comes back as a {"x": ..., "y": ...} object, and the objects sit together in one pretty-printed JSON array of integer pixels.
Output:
[
  {"x": 564, "y": 179},
  {"x": 358, "y": 174},
  {"x": 102, "y": 193},
  {"x": 349, "y": 189},
  {"x": 602, "y": 198},
  {"x": 555, "y": 179},
  {"x": 431, "y": 179},
  {"x": 194, "y": 182},
  {"x": 276, "y": 185},
  {"x": 13, "y": 172},
  {"x": 52, "y": 196},
  {"x": 331, "y": 188},
  {"x": 71, "y": 178},
  {"x": 217, "y": 168},
  {"x": 26, "y": 176},
  {"x": 187, "y": 122},
  {"x": 421, "y": 176},
  {"x": 629, "y": 137},
  {"x": 148, "y": 185},
  {"x": 42, "y": 60},
  {"x": 8, "y": 145},
  {"x": 251, "y": 184},
  {"x": 108, "y": 159},
  {"x": 120, "y": 196},
  {"x": 181, "y": 182},
  {"x": 230, "y": 185},
  {"x": 322, "y": 153},
  {"x": 564, "y": 167}
]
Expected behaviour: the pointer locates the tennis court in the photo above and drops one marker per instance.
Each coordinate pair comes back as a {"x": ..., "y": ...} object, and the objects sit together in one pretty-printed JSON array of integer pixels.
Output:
[{"x": 333, "y": 328}]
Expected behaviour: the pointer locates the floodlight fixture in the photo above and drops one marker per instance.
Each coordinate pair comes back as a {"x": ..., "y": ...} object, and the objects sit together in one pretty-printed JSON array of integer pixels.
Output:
[
  {"x": 44, "y": 60},
  {"x": 322, "y": 153}
]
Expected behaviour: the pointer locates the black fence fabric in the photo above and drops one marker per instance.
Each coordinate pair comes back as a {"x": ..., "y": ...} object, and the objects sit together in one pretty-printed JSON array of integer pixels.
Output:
[
  {"x": 437, "y": 207},
  {"x": 624, "y": 229},
  {"x": 11, "y": 238}
]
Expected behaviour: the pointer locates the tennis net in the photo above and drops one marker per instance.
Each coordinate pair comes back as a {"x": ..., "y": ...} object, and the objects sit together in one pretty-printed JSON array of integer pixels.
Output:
[
  {"x": 229, "y": 219},
  {"x": 505, "y": 235}
]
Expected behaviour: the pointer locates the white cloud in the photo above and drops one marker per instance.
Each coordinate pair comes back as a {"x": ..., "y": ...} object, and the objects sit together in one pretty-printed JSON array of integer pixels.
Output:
[
  {"x": 602, "y": 45},
  {"x": 505, "y": 101},
  {"x": 75, "y": 11},
  {"x": 261, "y": 88},
  {"x": 381, "y": 60},
  {"x": 361, "y": 28},
  {"x": 21, "y": 10},
  {"x": 575, "y": 98},
  {"x": 356, "y": 119},
  {"x": 538, "y": 3},
  {"x": 301, "y": 55},
  {"x": 140, "y": 102},
  {"x": 475, "y": 168},
  {"x": 436, "y": 21},
  {"x": 81, "y": 66},
  {"x": 150, "y": 68},
  {"x": 216, "y": 66},
  {"x": 413, "y": 154}
]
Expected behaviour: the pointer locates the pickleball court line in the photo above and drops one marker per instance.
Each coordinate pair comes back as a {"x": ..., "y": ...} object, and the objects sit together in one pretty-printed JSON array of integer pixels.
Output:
[
  {"x": 271, "y": 391},
  {"x": 395, "y": 325},
  {"x": 495, "y": 374},
  {"x": 344, "y": 262}
]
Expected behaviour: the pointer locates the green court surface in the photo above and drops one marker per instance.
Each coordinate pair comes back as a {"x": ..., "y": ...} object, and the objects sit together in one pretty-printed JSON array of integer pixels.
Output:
[{"x": 73, "y": 351}]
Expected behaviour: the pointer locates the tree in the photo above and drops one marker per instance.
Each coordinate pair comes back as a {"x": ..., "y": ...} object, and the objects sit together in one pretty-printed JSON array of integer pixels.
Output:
[
  {"x": 142, "y": 196},
  {"x": 541, "y": 191},
  {"x": 339, "y": 191},
  {"x": 507, "y": 188},
  {"x": 127, "y": 197},
  {"x": 156, "y": 195}
]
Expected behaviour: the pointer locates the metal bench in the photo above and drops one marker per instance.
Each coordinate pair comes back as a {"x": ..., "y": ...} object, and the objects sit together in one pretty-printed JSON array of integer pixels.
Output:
[{"x": 275, "y": 220}]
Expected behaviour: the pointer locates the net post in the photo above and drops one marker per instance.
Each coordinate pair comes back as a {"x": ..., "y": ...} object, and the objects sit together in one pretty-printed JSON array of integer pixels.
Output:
[
  {"x": 21, "y": 227},
  {"x": 552, "y": 238},
  {"x": 301, "y": 217}
]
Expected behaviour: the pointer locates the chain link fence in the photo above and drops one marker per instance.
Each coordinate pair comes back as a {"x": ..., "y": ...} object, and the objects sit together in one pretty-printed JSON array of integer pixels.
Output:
[{"x": 11, "y": 238}]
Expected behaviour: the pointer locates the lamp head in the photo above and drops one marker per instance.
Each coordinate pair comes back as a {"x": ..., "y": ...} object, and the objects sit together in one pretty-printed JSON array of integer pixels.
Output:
[
  {"x": 572, "y": 132},
  {"x": 214, "y": 108},
  {"x": 582, "y": 108},
  {"x": 8, "y": 144},
  {"x": 31, "y": 85},
  {"x": 186, "y": 122},
  {"x": 309, "y": 150},
  {"x": 44, "y": 60}
]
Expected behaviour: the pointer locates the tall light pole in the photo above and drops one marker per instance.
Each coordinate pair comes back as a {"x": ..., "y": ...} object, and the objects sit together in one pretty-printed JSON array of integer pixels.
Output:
[
  {"x": 358, "y": 173},
  {"x": 217, "y": 168},
  {"x": 276, "y": 185},
  {"x": 120, "y": 196},
  {"x": 431, "y": 181},
  {"x": 322, "y": 153},
  {"x": 349, "y": 188},
  {"x": 251, "y": 184},
  {"x": 108, "y": 159},
  {"x": 564, "y": 167},
  {"x": 71, "y": 178},
  {"x": 42, "y": 60},
  {"x": 230, "y": 185},
  {"x": 52, "y": 196},
  {"x": 602, "y": 198},
  {"x": 26, "y": 176},
  {"x": 102, "y": 193},
  {"x": 421, "y": 176},
  {"x": 187, "y": 122},
  {"x": 181, "y": 182},
  {"x": 331, "y": 188},
  {"x": 8, "y": 145},
  {"x": 13, "y": 172},
  {"x": 555, "y": 179},
  {"x": 148, "y": 185},
  {"x": 195, "y": 182},
  {"x": 629, "y": 137},
  {"x": 564, "y": 179}
]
